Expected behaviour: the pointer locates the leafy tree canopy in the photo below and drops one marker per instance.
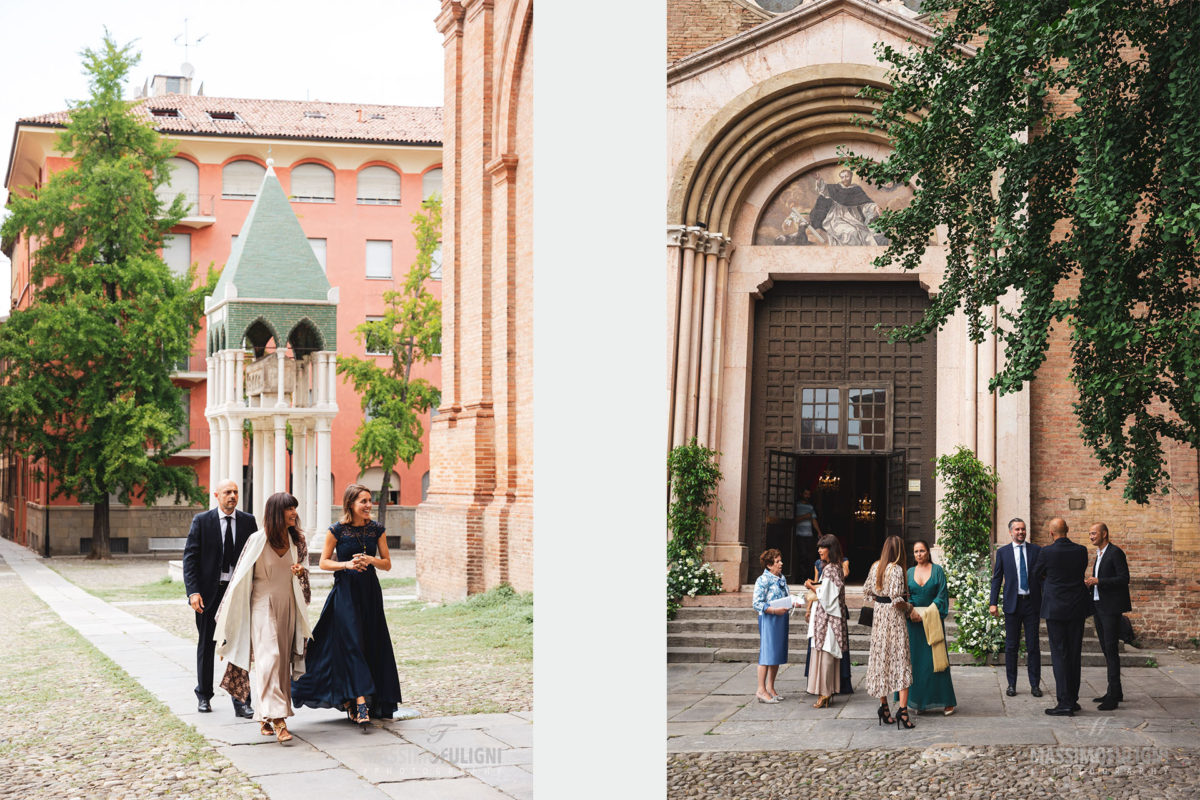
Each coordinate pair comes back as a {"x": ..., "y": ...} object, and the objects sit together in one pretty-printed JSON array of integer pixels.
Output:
[
  {"x": 87, "y": 392},
  {"x": 409, "y": 333},
  {"x": 1086, "y": 211}
]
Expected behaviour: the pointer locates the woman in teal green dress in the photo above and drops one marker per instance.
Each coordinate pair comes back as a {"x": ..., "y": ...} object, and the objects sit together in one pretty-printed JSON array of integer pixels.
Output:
[{"x": 927, "y": 587}]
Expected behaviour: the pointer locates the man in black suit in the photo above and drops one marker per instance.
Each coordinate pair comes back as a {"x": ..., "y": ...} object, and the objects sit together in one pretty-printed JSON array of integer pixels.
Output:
[
  {"x": 1022, "y": 604},
  {"x": 1059, "y": 569},
  {"x": 1109, "y": 584},
  {"x": 214, "y": 543}
]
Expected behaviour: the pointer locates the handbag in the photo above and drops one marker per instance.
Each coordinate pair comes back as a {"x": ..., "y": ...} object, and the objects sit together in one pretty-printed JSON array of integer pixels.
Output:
[{"x": 866, "y": 615}]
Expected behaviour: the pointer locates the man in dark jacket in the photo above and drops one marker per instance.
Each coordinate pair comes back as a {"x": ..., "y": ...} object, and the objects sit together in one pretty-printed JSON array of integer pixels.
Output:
[
  {"x": 214, "y": 543},
  {"x": 1109, "y": 586},
  {"x": 1059, "y": 569},
  {"x": 1022, "y": 604}
]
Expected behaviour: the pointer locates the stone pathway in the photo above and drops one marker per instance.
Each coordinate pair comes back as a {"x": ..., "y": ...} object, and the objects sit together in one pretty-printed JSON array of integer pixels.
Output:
[
  {"x": 723, "y": 743},
  {"x": 485, "y": 756}
]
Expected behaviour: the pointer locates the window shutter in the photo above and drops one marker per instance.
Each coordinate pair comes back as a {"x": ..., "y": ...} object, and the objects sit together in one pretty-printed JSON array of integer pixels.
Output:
[
  {"x": 242, "y": 179},
  {"x": 312, "y": 183},
  {"x": 379, "y": 186}
]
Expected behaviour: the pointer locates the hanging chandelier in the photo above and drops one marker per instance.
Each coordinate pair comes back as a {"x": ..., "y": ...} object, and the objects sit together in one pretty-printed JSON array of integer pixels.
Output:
[
  {"x": 865, "y": 511},
  {"x": 828, "y": 482}
]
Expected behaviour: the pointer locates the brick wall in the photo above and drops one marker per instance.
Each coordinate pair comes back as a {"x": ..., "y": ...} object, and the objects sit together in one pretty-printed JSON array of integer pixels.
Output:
[
  {"x": 474, "y": 531},
  {"x": 693, "y": 25}
]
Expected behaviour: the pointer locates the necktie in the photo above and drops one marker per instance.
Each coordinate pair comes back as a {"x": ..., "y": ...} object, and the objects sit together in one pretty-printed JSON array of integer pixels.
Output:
[
  {"x": 227, "y": 555},
  {"x": 1022, "y": 575}
]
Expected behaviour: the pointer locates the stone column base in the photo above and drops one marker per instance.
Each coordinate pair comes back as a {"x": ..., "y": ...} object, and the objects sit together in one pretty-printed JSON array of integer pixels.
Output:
[{"x": 730, "y": 560}]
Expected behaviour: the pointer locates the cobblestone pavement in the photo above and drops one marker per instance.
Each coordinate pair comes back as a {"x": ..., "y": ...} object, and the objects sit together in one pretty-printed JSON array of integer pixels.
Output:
[
  {"x": 481, "y": 756},
  {"x": 955, "y": 772},
  {"x": 73, "y": 725},
  {"x": 723, "y": 744}
]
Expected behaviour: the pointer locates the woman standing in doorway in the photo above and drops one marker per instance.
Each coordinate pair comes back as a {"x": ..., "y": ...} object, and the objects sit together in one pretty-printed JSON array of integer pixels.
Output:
[{"x": 350, "y": 662}]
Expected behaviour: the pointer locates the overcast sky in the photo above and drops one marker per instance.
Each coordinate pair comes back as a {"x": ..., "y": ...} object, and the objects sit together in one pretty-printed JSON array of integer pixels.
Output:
[{"x": 368, "y": 51}]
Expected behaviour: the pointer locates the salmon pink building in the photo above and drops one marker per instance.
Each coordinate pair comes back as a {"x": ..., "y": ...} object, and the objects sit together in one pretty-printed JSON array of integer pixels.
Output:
[{"x": 354, "y": 175}]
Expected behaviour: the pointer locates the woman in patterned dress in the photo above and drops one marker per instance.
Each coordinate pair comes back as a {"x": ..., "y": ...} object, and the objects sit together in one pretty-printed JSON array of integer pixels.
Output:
[
  {"x": 772, "y": 624},
  {"x": 889, "y": 668},
  {"x": 827, "y": 631}
]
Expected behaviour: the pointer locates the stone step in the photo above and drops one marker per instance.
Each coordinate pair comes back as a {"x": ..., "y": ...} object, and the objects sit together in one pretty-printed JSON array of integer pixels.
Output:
[
  {"x": 750, "y": 655},
  {"x": 859, "y": 643}
]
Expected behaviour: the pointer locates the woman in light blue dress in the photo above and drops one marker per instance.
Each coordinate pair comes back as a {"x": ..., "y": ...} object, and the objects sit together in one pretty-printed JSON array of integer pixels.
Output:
[{"x": 772, "y": 624}]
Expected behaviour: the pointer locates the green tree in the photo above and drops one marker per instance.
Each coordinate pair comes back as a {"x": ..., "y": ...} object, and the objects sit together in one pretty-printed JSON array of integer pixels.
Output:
[
  {"x": 410, "y": 333},
  {"x": 87, "y": 394},
  {"x": 1033, "y": 191}
]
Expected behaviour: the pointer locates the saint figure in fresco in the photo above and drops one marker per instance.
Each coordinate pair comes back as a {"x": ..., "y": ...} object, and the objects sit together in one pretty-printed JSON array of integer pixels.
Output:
[{"x": 843, "y": 213}]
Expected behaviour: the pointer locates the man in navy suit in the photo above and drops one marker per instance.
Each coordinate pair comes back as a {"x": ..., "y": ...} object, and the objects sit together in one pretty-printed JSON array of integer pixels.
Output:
[
  {"x": 1059, "y": 569},
  {"x": 214, "y": 543},
  {"x": 1022, "y": 604},
  {"x": 1109, "y": 589}
]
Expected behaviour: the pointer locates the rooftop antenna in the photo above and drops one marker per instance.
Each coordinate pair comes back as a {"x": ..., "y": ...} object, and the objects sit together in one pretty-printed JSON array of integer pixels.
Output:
[{"x": 187, "y": 69}]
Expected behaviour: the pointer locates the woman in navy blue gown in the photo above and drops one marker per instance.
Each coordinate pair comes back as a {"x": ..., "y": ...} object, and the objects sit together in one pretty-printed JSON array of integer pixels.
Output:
[{"x": 350, "y": 664}]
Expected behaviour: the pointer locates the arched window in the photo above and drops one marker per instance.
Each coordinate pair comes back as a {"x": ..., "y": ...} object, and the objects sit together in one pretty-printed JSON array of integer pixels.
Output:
[
  {"x": 312, "y": 183},
  {"x": 431, "y": 182},
  {"x": 240, "y": 180},
  {"x": 185, "y": 180},
  {"x": 379, "y": 186}
]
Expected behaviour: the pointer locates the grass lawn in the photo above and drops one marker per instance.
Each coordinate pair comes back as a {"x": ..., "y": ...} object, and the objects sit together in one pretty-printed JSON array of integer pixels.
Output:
[
  {"x": 161, "y": 589},
  {"x": 472, "y": 657}
]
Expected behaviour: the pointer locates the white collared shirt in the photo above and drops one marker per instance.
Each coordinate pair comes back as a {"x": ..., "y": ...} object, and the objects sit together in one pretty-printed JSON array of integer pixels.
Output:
[
  {"x": 1096, "y": 572},
  {"x": 226, "y": 575},
  {"x": 1019, "y": 557}
]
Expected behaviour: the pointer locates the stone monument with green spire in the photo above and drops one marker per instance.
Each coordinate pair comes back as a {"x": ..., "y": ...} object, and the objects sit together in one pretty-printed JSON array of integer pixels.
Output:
[{"x": 272, "y": 337}]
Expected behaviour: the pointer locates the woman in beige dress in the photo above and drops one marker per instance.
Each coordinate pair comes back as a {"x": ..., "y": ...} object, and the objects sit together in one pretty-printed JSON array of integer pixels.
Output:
[
  {"x": 263, "y": 615},
  {"x": 889, "y": 668},
  {"x": 827, "y": 630}
]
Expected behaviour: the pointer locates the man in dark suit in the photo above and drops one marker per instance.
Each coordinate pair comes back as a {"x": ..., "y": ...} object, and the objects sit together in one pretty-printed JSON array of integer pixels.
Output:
[
  {"x": 1059, "y": 570},
  {"x": 1022, "y": 604},
  {"x": 214, "y": 543},
  {"x": 1109, "y": 586}
]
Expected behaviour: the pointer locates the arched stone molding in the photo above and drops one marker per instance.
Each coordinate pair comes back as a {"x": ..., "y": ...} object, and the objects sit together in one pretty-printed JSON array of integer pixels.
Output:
[
  {"x": 787, "y": 112},
  {"x": 305, "y": 337},
  {"x": 258, "y": 334}
]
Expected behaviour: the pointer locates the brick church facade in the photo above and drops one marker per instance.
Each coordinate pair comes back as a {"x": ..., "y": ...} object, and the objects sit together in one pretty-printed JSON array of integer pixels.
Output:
[
  {"x": 475, "y": 528},
  {"x": 774, "y": 359}
]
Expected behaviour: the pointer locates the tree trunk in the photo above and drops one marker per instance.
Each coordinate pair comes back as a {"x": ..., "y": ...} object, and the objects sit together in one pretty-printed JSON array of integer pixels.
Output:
[
  {"x": 383, "y": 494},
  {"x": 100, "y": 530}
]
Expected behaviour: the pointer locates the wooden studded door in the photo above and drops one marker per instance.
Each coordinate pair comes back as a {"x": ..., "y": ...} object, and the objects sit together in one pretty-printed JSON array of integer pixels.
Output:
[{"x": 823, "y": 335}]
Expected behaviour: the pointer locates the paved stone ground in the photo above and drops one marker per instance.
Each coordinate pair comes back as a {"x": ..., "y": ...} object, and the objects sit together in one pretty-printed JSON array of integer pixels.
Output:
[
  {"x": 722, "y": 743},
  {"x": 485, "y": 756}
]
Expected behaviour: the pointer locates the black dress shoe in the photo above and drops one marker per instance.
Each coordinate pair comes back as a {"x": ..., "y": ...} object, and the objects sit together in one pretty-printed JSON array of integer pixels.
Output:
[
  {"x": 1107, "y": 705},
  {"x": 242, "y": 710},
  {"x": 1101, "y": 699},
  {"x": 1035, "y": 691},
  {"x": 1011, "y": 691},
  {"x": 1076, "y": 707},
  {"x": 203, "y": 705},
  {"x": 1060, "y": 712}
]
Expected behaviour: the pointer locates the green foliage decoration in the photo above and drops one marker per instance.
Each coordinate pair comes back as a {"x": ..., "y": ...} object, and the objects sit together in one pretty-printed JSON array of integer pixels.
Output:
[
  {"x": 965, "y": 535},
  {"x": 87, "y": 394},
  {"x": 1081, "y": 213},
  {"x": 409, "y": 333},
  {"x": 694, "y": 477}
]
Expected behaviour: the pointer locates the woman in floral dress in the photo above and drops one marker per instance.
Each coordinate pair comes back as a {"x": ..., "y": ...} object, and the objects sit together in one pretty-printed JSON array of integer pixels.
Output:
[{"x": 889, "y": 668}]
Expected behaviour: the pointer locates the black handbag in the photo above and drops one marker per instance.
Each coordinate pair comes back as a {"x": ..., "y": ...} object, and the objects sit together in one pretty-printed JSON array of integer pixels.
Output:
[{"x": 866, "y": 616}]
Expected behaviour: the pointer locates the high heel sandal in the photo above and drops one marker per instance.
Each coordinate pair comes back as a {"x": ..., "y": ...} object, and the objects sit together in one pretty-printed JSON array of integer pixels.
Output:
[
  {"x": 281, "y": 732},
  {"x": 364, "y": 716},
  {"x": 823, "y": 701},
  {"x": 885, "y": 714},
  {"x": 265, "y": 728},
  {"x": 902, "y": 718}
]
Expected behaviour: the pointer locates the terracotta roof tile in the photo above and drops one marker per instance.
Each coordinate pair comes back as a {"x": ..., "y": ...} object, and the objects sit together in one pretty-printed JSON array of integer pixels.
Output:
[{"x": 197, "y": 114}]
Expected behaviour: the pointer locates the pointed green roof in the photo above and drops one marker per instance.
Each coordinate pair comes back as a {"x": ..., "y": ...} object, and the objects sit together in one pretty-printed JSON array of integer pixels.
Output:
[{"x": 272, "y": 258}]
